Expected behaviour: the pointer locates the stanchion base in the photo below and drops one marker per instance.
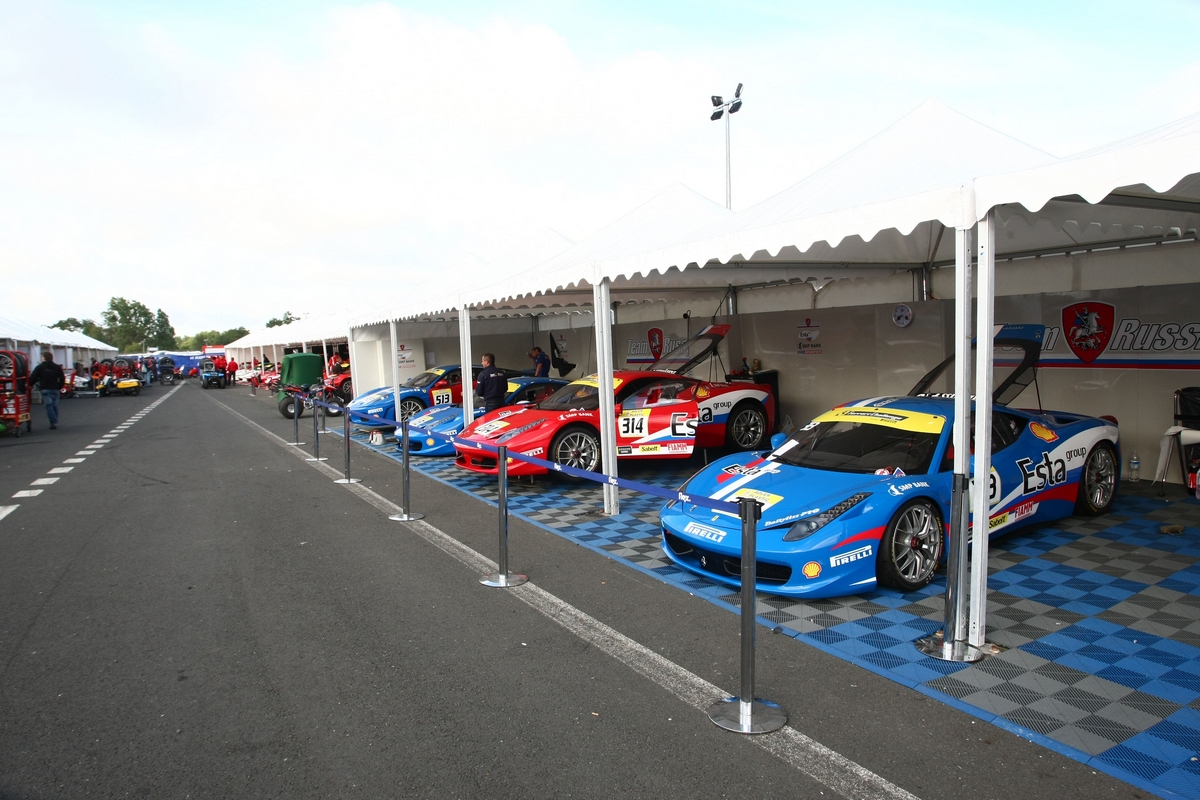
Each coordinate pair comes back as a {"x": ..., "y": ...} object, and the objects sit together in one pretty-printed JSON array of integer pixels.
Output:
[
  {"x": 936, "y": 646},
  {"x": 322, "y": 458},
  {"x": 764, "y": 717},
  {"x": 498, "y": 581},
  {"x": 296, "y": 444},
  {"x": 406, "y": 517},
  {"x": 348, "y": 480}
]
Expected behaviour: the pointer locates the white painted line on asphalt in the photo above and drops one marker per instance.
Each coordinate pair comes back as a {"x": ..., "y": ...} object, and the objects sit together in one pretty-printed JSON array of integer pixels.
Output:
[
  {"x": 29, "y": 493},
  {"x": 61, "y": 470},
  {"x": 85, "y": 452},
  {"x": 846, "y": 777},
  {"x": 99, "y": 442},
  {"x": 74, "y": 460},
  {"x": 93, "y": 447},
  {"x": 44, "y": 482},
  {"x": 6, "y": 510},
  {"x": 109, "y": 436}
]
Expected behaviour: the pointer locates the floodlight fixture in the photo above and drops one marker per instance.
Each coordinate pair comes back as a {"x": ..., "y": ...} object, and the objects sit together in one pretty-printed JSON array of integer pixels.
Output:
[{"x": 733, "y": 106}]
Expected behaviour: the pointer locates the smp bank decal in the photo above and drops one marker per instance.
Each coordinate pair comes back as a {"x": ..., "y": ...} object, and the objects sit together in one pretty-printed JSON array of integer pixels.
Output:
[
  {"x": 1094, "y": 335},
  {"x": 650, "y": 349}
]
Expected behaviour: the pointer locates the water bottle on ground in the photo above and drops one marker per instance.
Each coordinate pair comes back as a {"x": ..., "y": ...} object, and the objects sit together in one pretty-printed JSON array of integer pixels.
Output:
[{"x": 1135, "y": 469}]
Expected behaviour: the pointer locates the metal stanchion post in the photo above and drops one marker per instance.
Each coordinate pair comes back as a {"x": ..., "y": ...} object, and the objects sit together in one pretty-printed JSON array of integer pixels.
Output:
[
  {"x": 747, "y": 713},
  {"x": 316, "y": 456},
  {"x": 501, "y": 579},
  {"x": 297, "y": 406},
  {"x": 950, "y": 643},
  {"x": 253, "y": 387},
  {"x": 346, "y": 430},
  {"x": 405, "y": 514},
  {"x": 325, "y": 414}
]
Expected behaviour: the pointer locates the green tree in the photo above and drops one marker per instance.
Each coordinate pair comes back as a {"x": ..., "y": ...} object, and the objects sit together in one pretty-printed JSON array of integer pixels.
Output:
[
  {"x": 287, "y": 318},
  {"x": 128, "y": 323},
  {"x": 199, "y": 340},
  {"x": 162, "y": 335},
  {"x": 69, "y": 324}
]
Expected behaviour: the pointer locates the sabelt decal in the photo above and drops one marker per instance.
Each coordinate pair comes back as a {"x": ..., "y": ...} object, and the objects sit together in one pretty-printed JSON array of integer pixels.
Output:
[
  {"x": 890, "y": 418},
  {"x": 648, "y": 448},
  {"x": 841, "y": 559},
  {"x": 811, "y": 570},
  {"x": 705, "y": 532}
]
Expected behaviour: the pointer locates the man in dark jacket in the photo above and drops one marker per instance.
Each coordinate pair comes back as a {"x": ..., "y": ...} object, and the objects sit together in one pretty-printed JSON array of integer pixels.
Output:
[
  {"x": 49, "y": 378},
  {"x": 493, "y": 384},
  {"x": 541, "y": 363}
]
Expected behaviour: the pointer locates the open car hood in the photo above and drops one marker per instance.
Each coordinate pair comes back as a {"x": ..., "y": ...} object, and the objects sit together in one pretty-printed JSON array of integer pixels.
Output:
[
  {"x": 683, "y": 359},
  {"x": 1026, "y": 340}
]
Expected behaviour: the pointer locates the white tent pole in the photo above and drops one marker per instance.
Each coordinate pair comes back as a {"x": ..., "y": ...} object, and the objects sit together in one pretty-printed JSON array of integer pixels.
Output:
[
  {"x": 985, "y": 315},
  {"x": 466, "y": 363},
  {"x": 325, "y": 358},
  {"x": 957, "y": 577},
  {"x": 275, "y": 356},
  {"x": 604, "y": 369},
  {"x": 395, "y": 373}
]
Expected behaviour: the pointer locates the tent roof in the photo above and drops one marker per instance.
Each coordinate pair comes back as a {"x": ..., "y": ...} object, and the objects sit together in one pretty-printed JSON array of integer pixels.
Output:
[
  {"x": 22, "y": 331},
  {"x": 447, "y": 291},
  {"x": 905, "y": 181},
  {"x": 664, "y": 218}
]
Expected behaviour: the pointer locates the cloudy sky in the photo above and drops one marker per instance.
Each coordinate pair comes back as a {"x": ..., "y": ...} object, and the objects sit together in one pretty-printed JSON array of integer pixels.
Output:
[{"x": 227, "y": 160}]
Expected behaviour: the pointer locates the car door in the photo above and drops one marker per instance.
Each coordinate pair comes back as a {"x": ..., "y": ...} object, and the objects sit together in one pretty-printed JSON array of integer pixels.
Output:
[{"x": 658, "y": 419}]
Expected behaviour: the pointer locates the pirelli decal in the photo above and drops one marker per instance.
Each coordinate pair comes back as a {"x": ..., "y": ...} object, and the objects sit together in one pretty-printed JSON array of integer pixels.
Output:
[{"x": 887, "y": 417}]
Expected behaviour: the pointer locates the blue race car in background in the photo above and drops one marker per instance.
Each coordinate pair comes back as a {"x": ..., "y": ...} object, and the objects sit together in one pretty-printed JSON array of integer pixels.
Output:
[
  {"x": 433, "y": 387},
  {"x": 448, "y": 420},
  {"x": 861, "y": 495}
]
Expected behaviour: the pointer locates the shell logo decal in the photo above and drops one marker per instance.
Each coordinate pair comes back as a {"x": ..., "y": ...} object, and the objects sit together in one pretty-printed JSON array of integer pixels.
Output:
[
  {"x": 1042, "y": 432},
  {"x": 812, "y": 570}
]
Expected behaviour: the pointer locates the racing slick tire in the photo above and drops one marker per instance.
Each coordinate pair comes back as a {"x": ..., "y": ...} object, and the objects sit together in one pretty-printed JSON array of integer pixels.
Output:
[
  {"x": 746, "y": 428},
  {"x": 576, "y": 446},
  {"x": 911, "y": 547},
  {"x": 410, "y": 406},
  {"x": 346, "y": 391},
  {"x": 1098, "y": 481},
  {"x": 287, "y": 407}
]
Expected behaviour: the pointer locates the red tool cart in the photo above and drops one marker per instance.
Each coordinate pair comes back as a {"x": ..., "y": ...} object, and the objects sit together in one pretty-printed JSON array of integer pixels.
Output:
[{"x": 14, "y": 392}]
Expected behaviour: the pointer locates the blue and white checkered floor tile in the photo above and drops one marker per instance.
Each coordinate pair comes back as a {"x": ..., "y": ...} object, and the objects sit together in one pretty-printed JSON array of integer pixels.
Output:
[{"x": 1096, "y": 621}]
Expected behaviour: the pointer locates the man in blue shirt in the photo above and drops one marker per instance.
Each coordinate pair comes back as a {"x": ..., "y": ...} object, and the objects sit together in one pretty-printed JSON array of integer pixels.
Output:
[{"x": 541, "y": 362}]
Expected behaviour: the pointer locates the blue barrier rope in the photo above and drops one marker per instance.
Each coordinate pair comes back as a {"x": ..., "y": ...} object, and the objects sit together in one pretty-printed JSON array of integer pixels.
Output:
[{"x": 623, "y": 483}]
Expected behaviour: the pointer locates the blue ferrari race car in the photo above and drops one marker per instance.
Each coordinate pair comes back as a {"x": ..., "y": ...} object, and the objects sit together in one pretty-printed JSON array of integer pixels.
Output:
[
  {"x": 448, "y": 420},
  {"x": 860, "y": 496},
  {"x": 436, "y": 386}
]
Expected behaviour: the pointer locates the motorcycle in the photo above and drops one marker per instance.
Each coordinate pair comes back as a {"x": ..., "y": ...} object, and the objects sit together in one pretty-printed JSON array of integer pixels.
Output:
[{"x": 306, "y": 395}]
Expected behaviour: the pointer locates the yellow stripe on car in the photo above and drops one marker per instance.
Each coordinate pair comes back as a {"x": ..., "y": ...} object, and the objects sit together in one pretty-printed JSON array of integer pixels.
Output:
[{"x": 886, "y": 417}]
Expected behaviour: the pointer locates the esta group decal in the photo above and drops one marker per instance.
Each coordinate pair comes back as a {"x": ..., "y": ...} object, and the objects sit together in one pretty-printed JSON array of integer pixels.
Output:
[
  {"x": 1094, "y": 334},
  {"x": 650, "y": 349}
]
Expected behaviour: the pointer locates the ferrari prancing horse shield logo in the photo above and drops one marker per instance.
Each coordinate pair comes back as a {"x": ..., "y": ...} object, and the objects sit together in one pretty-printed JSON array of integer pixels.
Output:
[
  {"x": 655, "y": 337},
  {"x": 1087, "y": 328}
]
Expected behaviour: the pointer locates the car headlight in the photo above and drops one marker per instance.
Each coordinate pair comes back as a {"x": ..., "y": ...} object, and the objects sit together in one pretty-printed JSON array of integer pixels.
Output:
[
  {"x": 807, "y": 527},
  {"x": 518, "y": 431}
]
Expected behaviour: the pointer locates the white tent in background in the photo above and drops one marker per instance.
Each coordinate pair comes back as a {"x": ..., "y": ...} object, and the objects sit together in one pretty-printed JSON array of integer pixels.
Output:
[{"x": 68, "y": 346}]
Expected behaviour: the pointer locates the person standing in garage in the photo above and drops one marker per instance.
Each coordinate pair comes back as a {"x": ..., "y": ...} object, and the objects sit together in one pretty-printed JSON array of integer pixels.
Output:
[
  {"x": 493, "y": 384},
  {"x": 49, "y": 378},
  {"x": 541, "y": 362}
]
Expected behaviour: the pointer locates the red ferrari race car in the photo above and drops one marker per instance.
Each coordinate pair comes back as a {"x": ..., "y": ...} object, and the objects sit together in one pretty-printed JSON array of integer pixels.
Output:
[{"x": 661, "y": 413}]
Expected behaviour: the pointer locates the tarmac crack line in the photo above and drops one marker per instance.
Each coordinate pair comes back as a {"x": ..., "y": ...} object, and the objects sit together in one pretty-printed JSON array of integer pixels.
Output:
[{"x": 844, "y": 776}]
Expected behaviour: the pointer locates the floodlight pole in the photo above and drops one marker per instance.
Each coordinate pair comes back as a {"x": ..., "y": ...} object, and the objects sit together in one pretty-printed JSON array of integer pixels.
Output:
[{"x": 728, "y": 182}]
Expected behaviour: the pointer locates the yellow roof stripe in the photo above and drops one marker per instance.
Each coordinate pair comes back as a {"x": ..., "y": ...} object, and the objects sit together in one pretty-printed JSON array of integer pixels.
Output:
[{"x": 887, "y": 417}]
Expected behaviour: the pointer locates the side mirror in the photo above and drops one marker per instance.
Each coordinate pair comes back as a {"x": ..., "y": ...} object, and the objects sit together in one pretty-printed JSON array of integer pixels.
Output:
[{"x": 777, "y": 440}]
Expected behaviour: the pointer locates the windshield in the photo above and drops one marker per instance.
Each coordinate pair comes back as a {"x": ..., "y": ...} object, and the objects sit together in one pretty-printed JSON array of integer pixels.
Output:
[
  {"x": 859, "y": 447},
  {"x": 422, "y": 379},
  {"x": 580, "y": 396}
]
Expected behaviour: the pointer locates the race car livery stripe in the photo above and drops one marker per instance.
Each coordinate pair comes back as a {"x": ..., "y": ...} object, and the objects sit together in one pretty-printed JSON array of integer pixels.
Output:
[
  {"x": 886, "y": 417},
  {"x": 594, "y": 382},
  {"x": 870, "y": 534}
]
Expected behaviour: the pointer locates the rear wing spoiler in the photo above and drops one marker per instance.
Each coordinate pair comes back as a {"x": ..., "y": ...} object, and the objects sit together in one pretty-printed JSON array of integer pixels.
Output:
[{"x": 1026, "y": 339}]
